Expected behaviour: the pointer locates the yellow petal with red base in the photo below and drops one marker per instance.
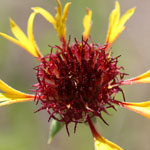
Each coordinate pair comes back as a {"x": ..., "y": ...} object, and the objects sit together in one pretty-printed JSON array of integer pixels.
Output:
[
  {"x": 143, "y": 78},
  {"x": 59, "y": 22},
  {"x": 11, "y": 95},
  {"x": 21, "y": 39},
  {"x": 117, "y": 24},
  {"x": 140, "y": 108},
  {"x": 103, "y": 144},
  {"x": 87, "y": 22},
  {"x": 100, "y": 142}
]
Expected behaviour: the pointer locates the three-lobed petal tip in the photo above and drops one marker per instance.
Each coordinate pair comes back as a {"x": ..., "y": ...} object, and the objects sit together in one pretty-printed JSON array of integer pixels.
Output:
[
  {"x": 117, "y": 24},
  {"x": 11, "y": 95},
  {"x": 59, "y": 22}
]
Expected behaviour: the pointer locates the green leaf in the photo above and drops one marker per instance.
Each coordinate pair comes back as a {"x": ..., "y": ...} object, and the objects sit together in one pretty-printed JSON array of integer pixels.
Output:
[{"x": 55, "y": 127}]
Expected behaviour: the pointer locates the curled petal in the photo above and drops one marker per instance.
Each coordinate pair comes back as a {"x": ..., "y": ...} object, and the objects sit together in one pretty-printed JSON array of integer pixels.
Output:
[
  {"x": 31, "y": 36},
  {"x": 45, "y": 14},
  {"x": 100, "y": 142},
  {"x": 117, "y": 24},
  {"x": 59, "y": 22},
  {"x": 11, "y": 95},
  {"x": 143, "y": 78},
  {"x": 87, "y": 22},
  {"x": 140, "y": 108}
]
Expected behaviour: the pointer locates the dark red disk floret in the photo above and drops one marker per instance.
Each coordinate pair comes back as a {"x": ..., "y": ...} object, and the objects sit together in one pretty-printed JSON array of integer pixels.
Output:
[{"x": 78, "y": 80}]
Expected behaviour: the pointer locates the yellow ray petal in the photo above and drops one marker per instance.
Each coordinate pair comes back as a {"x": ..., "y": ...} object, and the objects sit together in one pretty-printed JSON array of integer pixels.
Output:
[
  {"x": 13, "y": 40},
  {"x": 65, "y": 12},
  {"x": 59, "y": 9},
  {"x": 61, "y": 18},
  {"x": 18, "y": 33},
  {"x": 8, "y": 102},
  {"x": 59, "y": 22},
  {"x": 31, "y": 36},
  {"x": 45, "y": 14},
  {"x": 113, "y": 21},
  {"x": 140, "y": 108},
  {"x": 100, "y": 142},
  {"x": 12, "y": 95},
  {"x": 21, "y": 39},
  {"x": 7, "y": 89},
  {"x": 6, "y": 98},
  {"x": 117, "y": 24},
  {"x": 143, "y": 78},
  {"x": 87, "y": 22},
  {"x": 103, "y": 144}
]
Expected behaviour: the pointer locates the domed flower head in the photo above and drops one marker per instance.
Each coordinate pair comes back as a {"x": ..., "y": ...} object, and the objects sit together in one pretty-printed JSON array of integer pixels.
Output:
[{"x": 76, "y": 81}]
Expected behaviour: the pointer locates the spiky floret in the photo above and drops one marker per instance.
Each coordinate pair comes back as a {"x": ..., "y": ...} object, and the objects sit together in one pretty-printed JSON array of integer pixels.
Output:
[{"x": 80, "y": 79}]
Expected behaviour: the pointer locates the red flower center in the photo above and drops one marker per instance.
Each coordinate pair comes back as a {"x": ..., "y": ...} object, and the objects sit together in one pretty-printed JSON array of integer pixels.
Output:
[{"x": 80, "y": 79}]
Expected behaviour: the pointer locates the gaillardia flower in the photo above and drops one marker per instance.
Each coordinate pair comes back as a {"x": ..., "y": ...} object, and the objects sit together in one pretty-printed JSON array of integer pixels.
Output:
[{"x": 76, "y": 81}]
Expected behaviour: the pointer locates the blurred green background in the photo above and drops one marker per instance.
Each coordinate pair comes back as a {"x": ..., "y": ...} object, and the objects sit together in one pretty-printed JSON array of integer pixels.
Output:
[{"x": 21, "y": 128}]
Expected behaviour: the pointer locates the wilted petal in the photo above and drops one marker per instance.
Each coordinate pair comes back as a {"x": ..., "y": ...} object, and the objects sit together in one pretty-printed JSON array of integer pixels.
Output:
[
  {"x": 87, "y": 22},
  {"x": 117, "y": 24},
  {"x": 143, "y": 78},
  {"x": 140, "y": 108}
]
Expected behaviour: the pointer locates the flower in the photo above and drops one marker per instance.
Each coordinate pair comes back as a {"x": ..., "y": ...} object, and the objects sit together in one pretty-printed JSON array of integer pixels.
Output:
[{"x": 80, "y": 80}]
